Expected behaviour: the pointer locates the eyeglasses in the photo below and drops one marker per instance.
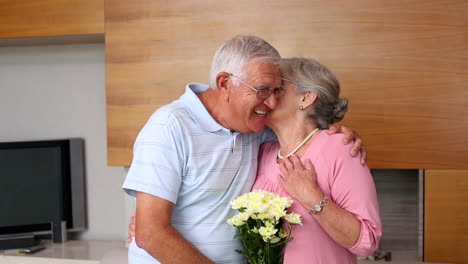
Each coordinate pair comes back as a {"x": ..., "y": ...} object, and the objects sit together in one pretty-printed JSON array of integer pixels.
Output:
[{"x": 262, "y": 94}]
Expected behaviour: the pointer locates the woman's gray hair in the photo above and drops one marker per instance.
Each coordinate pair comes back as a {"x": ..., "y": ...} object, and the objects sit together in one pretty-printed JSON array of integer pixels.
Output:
[
  {"x": 311, "y": 76},
  {"x": 235, "y": 55}
]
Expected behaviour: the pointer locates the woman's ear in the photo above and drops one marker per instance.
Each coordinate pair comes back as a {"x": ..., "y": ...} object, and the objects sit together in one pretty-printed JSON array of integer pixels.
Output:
[
  {"x": 308, "y": 99},
  {"x": 223, "y": 83}
]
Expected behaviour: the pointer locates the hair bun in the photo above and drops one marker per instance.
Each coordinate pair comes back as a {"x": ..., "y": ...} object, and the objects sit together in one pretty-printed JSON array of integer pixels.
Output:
[{"x": 340, "y": 109}]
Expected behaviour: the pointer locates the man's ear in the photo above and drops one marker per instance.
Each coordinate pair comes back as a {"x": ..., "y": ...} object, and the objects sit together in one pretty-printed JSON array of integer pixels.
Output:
[
  {"x": 308, "y": 99},
  {"x": 224, "y": 84}
]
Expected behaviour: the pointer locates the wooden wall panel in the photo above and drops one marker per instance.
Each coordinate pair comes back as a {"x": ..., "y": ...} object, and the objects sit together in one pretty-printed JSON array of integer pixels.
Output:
[
  {"x": 403, "y": 65},
  {"x": 40, "y": 18},
  {"x": 446, "y": 216}
]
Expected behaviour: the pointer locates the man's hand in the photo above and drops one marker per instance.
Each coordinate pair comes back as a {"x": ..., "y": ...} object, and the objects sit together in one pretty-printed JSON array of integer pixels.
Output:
[
  {"x": 131, "y": 229},
  {"x": 350, "y": 135}
]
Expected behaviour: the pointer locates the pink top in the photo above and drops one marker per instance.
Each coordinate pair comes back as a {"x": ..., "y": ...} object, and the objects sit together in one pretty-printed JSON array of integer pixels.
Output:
[{"x": 345, "y": 181}]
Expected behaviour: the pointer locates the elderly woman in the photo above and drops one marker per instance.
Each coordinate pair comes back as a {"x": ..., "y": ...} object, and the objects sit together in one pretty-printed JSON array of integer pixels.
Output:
[
  {"x": 345, "y": 222},
  {"x": 334, "y": 193}
]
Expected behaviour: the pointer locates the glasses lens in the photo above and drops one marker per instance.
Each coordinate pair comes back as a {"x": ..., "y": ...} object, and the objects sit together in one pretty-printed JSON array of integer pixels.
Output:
[
  {"x": 278, "y": 92},
  {"x": 263, "y": 93}
]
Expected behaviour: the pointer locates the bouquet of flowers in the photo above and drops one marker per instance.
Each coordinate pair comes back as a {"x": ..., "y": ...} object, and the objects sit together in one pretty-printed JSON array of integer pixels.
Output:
[{"x": 259, "y": 225}]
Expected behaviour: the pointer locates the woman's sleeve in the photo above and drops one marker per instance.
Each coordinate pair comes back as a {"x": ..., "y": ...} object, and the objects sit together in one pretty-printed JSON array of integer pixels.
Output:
[{"x": 353, "y": 189}]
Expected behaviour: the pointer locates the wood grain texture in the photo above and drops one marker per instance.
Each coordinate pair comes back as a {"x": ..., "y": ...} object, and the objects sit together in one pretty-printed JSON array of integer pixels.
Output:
[
  {"x": 402, "y": 64},
  {"x": 446, "y": 216},
  {"x": 39, "y": 18}
]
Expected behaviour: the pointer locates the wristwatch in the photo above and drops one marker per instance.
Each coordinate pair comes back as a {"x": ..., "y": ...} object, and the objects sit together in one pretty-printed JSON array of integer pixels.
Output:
[{"x": 319, "y": 207}]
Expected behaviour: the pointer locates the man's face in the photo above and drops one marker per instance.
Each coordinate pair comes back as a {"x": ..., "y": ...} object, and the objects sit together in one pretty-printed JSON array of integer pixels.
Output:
[{"x": 248, "y": 111}]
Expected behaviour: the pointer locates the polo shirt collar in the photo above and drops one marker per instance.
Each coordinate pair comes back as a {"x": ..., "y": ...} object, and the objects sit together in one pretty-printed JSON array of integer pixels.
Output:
[{"x": 196, "y": 108}]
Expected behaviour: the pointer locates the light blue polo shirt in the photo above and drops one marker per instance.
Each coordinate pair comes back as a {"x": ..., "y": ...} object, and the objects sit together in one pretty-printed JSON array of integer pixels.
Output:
[{"x": 184, "y": 156}]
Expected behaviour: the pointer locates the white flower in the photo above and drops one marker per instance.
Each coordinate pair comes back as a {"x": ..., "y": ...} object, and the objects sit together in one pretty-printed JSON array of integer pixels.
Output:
[
  {"x": 281, "y": 202},
  {"x": 237, "y": 220},
  {"x": 264, "y": 212},
  {"x": 293, "y": 218},
  {"x": 264, "y": 215},
  {"x": 254, "y": 230},
  {"x": 283, "y": 233},
  {"x": 267, "y": 232},
  {"x": 257, "y": 206},
  {"x": 239, "y": 202},
  {"x": 274, "y": 239},
  {"x": 277, "y": 212},
  {"x": 244, "y": 216}
]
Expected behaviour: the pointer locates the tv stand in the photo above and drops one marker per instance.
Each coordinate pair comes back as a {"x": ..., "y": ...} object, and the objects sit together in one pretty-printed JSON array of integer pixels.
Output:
[
  {"x": 69, "y": 252},
  {"x": 17, "y": 241}
]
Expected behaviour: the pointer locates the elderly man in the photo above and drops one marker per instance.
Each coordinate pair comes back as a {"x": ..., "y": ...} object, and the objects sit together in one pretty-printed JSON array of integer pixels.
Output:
[{"x": 198, "y": 153}]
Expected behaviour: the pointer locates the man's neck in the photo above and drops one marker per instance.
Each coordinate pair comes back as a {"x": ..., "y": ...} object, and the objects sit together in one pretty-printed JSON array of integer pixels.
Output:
[{"x": 211, "y": 99}]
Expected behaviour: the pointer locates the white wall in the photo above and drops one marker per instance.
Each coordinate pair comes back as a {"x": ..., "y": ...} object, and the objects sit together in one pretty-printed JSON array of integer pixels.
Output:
[{"x": 58, "y": 91}]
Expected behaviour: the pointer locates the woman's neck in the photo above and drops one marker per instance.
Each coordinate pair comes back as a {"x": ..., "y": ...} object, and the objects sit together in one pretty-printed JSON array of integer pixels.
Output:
[{"x": 291, "y": 133}]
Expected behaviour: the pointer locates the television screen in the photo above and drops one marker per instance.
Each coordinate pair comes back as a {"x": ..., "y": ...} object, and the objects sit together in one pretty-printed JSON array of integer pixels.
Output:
[
  {"x": 30, "y": 173},
  {"x": 41, "y": 182}
]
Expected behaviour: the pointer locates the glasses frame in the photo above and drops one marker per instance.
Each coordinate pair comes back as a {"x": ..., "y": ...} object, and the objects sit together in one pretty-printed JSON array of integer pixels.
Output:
[{"x": 267, "y": 92}]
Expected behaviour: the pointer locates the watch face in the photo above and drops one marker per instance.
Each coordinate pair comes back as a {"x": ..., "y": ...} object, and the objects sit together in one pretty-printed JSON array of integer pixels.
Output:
[{"x": 317, "y": 208}]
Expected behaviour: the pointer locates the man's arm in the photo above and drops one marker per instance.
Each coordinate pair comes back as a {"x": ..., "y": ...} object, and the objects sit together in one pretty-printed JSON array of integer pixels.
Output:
[{"x": 156, "y": 235}]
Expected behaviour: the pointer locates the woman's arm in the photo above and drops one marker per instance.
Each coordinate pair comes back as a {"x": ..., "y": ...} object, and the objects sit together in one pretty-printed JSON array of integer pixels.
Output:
[
  {"x": 351, "y": 218},
  {"x": 301, "y": 183}
]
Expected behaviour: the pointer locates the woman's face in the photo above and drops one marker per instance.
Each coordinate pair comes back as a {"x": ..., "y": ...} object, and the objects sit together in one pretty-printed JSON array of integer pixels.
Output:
[{"x": 287, "y": 104}]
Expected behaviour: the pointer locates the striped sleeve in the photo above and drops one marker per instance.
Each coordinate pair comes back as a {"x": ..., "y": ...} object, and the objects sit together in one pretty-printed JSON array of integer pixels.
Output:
[{"x": 157, "y": 165}]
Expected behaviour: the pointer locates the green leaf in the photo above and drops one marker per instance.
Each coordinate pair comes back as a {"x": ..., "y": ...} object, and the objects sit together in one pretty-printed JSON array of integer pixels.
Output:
[{"x": 239, "y": 251}]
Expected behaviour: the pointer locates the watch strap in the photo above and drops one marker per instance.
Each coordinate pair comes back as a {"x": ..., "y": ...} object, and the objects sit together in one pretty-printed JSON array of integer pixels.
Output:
[{"x": 319, "y": 207}]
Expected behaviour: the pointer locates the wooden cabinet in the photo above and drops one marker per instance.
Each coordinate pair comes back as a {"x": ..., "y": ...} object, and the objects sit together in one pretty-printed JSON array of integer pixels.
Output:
[
  {"x": 446, "y": 216},
  {"x": 40, "y": 18}
]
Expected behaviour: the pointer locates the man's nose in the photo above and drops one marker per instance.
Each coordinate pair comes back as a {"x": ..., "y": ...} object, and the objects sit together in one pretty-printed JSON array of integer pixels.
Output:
[{"x": 271, "y": 101}]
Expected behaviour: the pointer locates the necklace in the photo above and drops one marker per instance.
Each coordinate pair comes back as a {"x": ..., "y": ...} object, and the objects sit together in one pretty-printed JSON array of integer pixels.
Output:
[{"x": 298, "y": 146}]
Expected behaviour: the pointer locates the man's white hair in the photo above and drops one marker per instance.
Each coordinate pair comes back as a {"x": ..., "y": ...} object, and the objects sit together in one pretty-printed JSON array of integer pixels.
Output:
[{"x": 236, "y": 54}]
